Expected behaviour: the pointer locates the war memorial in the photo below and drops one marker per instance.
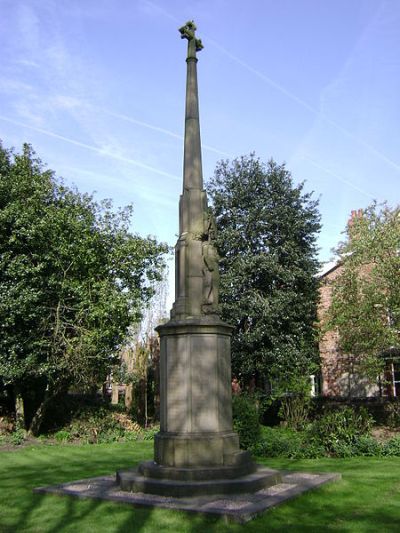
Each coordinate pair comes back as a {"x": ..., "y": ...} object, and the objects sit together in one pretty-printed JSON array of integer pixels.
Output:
[{"x": 198, "y": 465}]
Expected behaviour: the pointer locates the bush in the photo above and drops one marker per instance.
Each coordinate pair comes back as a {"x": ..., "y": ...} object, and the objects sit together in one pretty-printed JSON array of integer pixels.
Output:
[
  {"x": 96, "y": 426},
  {"x": 17, "y": 437},
  {"x": 294, "y": 410},
  {"x": 367, "y": 446},
  {"x": 246, "y": 420},
  {"x": 62, "y": 435},
  {"x": 392, "y": 447},
  {"x": 149, "y": 433},
  {"x": 392, "y": 413},
  {"x": 337, "y": 431},
  {"x": 284, "y": 442}
]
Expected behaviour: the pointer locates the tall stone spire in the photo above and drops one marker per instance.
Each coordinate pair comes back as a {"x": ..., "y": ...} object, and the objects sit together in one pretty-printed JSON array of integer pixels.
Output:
[
  {"x": 192, "y": 167},
  {"x": 196, "y": 266}
]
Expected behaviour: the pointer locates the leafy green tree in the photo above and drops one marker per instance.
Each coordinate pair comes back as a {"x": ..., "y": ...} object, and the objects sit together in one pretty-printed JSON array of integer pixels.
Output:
[
  {"x": 365, "y": 306},
  {"x": 267, "y": 229},
  {"x": 72, "y": 279}
]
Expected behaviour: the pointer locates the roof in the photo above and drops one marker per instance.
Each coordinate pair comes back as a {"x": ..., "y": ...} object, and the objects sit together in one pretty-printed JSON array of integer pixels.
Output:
[{"x": 327, "y": 268}]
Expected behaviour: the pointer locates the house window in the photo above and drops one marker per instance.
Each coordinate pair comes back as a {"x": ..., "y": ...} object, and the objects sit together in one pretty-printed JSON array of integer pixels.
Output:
[
  {"x": 392, "y": 377},
  {"x": 315, "y": 382},
  {"x": 396, "y": 378}
]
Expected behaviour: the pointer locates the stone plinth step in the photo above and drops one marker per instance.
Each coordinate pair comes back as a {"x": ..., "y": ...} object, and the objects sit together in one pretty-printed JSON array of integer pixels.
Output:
[
  {"x": 153, "y": 470},
  {"x": 134, "y": 481},
  {"x": 238, "y": 458}
]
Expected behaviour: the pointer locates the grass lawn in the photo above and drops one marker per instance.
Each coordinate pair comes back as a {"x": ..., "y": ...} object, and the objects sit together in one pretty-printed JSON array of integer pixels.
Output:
[{"x": 366, "y": 500}]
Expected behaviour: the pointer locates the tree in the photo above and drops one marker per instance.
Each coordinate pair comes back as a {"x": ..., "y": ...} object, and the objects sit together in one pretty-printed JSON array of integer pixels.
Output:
[
  {"x": 139, "y": 368},
  {"x": 267, "y": 229},
  {"x": 365, "y": 306},
  {"x": 72, "y": 279}
]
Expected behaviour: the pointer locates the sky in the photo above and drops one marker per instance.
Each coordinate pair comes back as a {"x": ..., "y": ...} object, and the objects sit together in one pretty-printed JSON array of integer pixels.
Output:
[{"x": 98, "y": 88}]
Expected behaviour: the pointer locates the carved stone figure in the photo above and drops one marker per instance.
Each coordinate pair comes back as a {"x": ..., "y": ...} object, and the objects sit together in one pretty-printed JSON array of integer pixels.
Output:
[
  {"x": 210, "y": 278},
  {"x": 210, "y": 268}
]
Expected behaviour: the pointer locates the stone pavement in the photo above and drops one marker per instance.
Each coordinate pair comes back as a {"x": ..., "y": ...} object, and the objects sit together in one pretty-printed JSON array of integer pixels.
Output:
[{"x": 238, "y": 507}]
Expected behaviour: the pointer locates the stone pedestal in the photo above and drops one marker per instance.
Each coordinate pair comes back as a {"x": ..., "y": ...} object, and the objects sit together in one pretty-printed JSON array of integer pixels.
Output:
[
  {"x": 196, "y": 403},
  {"x": 196, "y": 451}
]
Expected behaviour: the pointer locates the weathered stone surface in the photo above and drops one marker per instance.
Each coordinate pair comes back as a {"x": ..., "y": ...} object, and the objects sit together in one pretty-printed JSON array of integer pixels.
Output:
[
  {"x": 199, "y": 450},
  {"x": 235, "y": 507},
  {"x": 195, "y": 378},
  {"x": 238, "y": 468},
  {"x": 134, "y": 481}
]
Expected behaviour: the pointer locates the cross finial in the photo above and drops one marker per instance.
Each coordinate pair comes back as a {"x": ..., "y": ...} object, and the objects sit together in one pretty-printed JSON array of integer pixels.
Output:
[{"x": 188, "y": 32}]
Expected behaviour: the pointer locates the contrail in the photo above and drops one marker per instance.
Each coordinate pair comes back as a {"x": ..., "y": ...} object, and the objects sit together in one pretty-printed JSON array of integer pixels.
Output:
[
  {"x": 337, "y": 176},
  {"x": 162, "y": 10},
  {"x": 159, "y": 129},
  {"x": 91, "y": 147},
  {"x": 289, "y": 94},
  {"x": 263, "y": 77},
  {"x": 306, "y": 106}
]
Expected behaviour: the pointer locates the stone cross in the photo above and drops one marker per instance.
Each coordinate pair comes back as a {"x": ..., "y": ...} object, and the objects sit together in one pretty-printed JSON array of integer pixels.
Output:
[{"x": 188, "y": 32}]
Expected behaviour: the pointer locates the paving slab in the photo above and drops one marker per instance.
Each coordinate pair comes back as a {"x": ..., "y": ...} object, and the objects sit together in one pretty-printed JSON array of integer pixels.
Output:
[{"x": 237, "y": 507}]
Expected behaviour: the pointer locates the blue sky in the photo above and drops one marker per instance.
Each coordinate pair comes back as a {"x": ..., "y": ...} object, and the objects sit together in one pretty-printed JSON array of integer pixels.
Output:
[{"x": 97, "y": 87}]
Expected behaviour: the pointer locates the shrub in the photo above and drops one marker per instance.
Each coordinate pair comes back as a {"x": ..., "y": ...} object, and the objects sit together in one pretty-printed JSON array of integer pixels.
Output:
[
  {"x": 246, "y": 420},
  {"x": 392, "y": 447},
  {"x": 294, "y": 410},
  {"x": 62, "y": 435},
  {"x": 285, "y": 442},
  {"x": 96, "y": 426},
  {"x": 392, "y": 413},
  {"x": 17, "y": 437},
  {"x": 339, "y": 430},
  {"x": 367, "y": 446},
  {"x": 149, "y": 433}
]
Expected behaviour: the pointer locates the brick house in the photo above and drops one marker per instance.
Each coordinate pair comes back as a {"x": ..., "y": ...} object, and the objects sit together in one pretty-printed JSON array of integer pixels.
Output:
[{"x": 340, "y": 375}]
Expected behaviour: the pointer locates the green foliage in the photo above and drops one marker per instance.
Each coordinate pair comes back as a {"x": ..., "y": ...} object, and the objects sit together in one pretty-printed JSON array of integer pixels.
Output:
[
  {"x": 339, "y": 429},
  {"x": 285, "y": 442},
  {"x": 17, "y": 437},
  {"x": 246, "y": 420},
  {"x": 339, "y": 433},
  {"x": 62, "y": 435},
  {"x": 150, "y": 433},
  {"x": 72, "y": 279},
  {"x": 367, "y": 446},
  {"x": 366, "y": 295},
  {"x": 267, "y": 229},
  {"x": 91, "y": 421},
  {"x": 295, "y": 406},
  {"x": 392, "y": 414},
  {"x": 95, "y": 426},
  {"x": 294, "y": 411},
  {"x": 391, "y": 448}
]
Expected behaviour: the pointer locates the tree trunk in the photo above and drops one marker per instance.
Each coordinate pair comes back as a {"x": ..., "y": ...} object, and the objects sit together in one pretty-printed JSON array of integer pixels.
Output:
[
  {"x": 50, "y": 395},
  {"x": 34, "y": 428},
  {"x": 128, "y": 396},
  {"x": 115, "y": 393},
  {"x": 19, "y": 411}
]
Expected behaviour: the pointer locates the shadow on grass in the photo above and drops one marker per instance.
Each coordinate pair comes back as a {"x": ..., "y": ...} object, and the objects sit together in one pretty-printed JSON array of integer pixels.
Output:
[
  {"x": 21, "y": 510},
  {"x": 366, "y": 500}
]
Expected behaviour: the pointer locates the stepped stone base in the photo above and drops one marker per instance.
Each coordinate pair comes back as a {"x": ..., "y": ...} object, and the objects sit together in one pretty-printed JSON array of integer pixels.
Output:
[
  {"x": 236, "y": 507},
  {"x": 134, "y": 481},
  {"x": 153, "y": 470}
]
